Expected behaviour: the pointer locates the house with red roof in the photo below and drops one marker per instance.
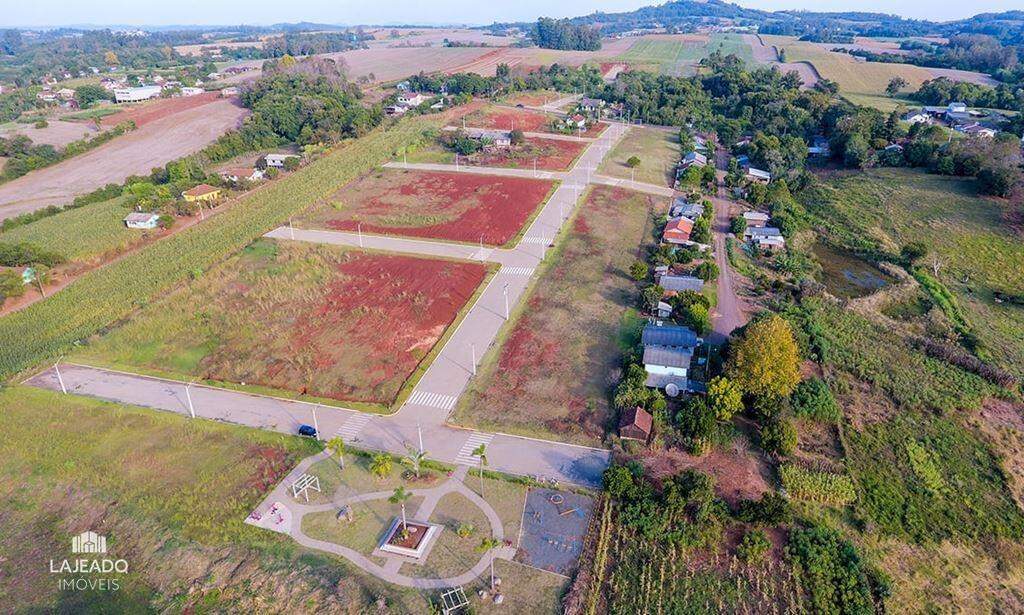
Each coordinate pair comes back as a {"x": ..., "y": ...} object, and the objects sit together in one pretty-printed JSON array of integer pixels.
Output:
[{"x": 678, "y": 231}]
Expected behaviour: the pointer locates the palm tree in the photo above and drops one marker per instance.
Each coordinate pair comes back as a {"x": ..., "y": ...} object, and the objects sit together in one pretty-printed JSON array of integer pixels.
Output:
[
  {"x": 488, "y": 545},
  {"x": 414, "y": 460},
  {"x": 481, "y": 452},
  {"x": 337, "y": 447},
  {"x": 380, "y": 465},
  {"x": 401, "y": 496}
]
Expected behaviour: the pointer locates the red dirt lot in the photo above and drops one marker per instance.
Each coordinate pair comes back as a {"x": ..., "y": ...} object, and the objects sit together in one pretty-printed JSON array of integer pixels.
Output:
[
  {"x": 550, "y": 154},
  {"x": 523, "y": 119},
  {"x": 436, "y": 205},
  {"x": 382, "y": 317},
  {"x": 144, "y": 113}
]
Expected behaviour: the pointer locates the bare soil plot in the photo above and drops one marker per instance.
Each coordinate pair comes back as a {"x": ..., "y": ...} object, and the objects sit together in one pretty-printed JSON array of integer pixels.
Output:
[
  {"x": 550, "y": 374},
  {"x": 548, "y": 154},
  {"x": 308, "y": 319},
  {"x": 135, "y": 153},
  {"x": 390, "y": 63},
  {"x": 150, "y": 111},
  {"x": 527, "y": 120},
  {"x": 657, "y": 149},
  {"x": 57, "y": 133},
  {"x": 436, "y": 205}
]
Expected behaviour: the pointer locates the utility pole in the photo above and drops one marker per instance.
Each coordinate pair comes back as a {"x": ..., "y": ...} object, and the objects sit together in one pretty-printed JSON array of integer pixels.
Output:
[
  {"x": 505, "y": 292},
  {"x": 472, "y": 354},
  {"x": 419, "y": 434},
  {"x": 60, "y": 379},
  {"x": 359, "y": 229},
  {"x": 316, "y": 425},
  {"x": 188, "y": 396},
  {"x": 291, "y": 229}
]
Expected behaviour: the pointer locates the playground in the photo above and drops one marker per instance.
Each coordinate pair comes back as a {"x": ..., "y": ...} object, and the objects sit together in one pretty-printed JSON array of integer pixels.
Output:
[{"x": 485, "y": 540}]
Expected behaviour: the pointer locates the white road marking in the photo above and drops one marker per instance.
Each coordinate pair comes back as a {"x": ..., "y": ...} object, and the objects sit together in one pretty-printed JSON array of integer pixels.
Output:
[
  {"x": 433, "y": 400},
  {"x": 352, "y": 426},
  {"x": 465, "y": 456},
  {"x": 521, "y": 271}
]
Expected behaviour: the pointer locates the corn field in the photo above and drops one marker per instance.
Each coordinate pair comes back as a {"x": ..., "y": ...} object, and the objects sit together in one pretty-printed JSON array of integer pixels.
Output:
[{"x": 104, "y": 296}]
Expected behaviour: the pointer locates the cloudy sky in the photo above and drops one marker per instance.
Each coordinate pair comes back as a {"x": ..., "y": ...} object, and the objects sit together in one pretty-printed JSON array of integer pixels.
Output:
[{"x": 150, "y": 12}]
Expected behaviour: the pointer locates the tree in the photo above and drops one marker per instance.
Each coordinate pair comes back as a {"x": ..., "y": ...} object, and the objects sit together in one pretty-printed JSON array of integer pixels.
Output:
[
  {"x": 738, "y": 225},
  {"x": 997, "y": 181},
  {"x": 517, "y": 137},
  {"x": 633, "y": 162},
  {"x": 110, "y": 58},
  {"x": 401, "y": 496},
  {"x": 696, "y": 421},
  {"x": 779, "y": 436},
  {"x": 489, "y": 545},
  {"x": 753, "y": 546},
  {"x": 638, "y": 271},
  {"x": 651, "y": 295},
  {"x": 481, "y": 453},
  {"x": 696, "y": 316},
  {"x": 895, "y": 85},
  {"x": 337, "y": 447},
  {"x": 11, "y": 284},
  {"x": 706, "y": 271},
  {"x": 724, "y": 397},
  {"x": 380, "y": 465},
  {"x": 88, "y": 94},
  {"x": 414, "y": 459},
  {"x": 765, "y": 361}
]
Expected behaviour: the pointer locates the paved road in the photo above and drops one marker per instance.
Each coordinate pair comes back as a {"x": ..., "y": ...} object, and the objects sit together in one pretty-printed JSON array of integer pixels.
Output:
[{"x": 432, "y": 400}]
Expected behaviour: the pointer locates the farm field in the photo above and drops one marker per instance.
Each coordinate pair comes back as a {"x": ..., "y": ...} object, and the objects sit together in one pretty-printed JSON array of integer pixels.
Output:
[
  {"x": 80, "y": 234},
  {"x": 510, "y": 118},
  {"x": 546, "y": 154},
  {"x": 390, "y": 63},
  {"x": 549, "y": 376},
  {"x": 679, "y": 54},
  {"x": 310, "y": 320},
  {"x": 658, "y": 151},
  {"x": 862, "y": 83},
  {"x": 980, "y": 254},
  {"x": 135, "y": 153},
  {"x": 182, "y": 488},
  {"x": 150, "y": 111},
  {"x": 57, "y": 133},
  {"x": 452, "y": 206}
]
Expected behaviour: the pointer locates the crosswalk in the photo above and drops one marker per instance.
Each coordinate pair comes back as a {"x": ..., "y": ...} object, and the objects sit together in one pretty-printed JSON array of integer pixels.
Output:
[
  {"x": 519, "y": 271},
  {"x": 536, "y": 239},
  {"x": 465, "y": 456},
  {"x": 433, "y": 400},
  {"x": 352, "y": 426}
]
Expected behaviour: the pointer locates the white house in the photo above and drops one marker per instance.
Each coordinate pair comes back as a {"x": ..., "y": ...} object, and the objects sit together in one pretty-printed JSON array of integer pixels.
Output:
[
  {"x": 755, "y": 219},
  {"x": 412, "y": 99},
  {"x": 228, "y": 92},
  {"x": 497, "y": 138},
  {"x": 956, "y": 107},
  {"x": 919, "y": 116},
  {"x": 757, "y": 175},
  {"x": 142, "y": 220},
  {"x": 187, "y": 91},
  {"x": 241, "y": 174},
  {"x": 123, "y": 95},
  {"x": 276, "y": 161}
]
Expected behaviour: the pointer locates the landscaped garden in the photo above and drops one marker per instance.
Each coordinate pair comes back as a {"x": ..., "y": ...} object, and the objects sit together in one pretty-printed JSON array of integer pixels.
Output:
[
  {"x": 451, "y": 206},
  {"x": 309, "y": 320}
]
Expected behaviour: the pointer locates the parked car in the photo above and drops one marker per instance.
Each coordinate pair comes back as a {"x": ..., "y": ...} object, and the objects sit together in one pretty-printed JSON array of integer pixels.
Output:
[{"x": 307, "y": 430}]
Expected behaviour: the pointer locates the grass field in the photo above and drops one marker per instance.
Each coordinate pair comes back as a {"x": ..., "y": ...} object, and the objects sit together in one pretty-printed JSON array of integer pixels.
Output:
[
  {"x": 534, "y": 153},
  {"x": 434, "y": 205},
  {"x": 171, "y": 496},
  {"x": 979, "y": 253},
  {"x": 658, "y": 151},
  {"x": 862, "y": 83},
  {"x": 679, "y": 55},
  {"x": 81, "y": 234},
  {"x": 549, "y": 376},
  {"x": 103, "y": 296},
  {"x": 313, "y": 320}
]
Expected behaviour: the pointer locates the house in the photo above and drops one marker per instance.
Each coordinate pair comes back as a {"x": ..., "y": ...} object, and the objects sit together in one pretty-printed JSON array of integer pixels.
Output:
[
  {"x": 142, "y": 220},
  {"x": 681, "y": 207},
  {"x": 664, "y": 310},
  {"x": 412, "y": 99},
  {"x": 678, "y": 231},
  {"x": 694, "y": 159},
  {"x": 127, "y": 95},
  {"x": 276, "y": 161},
  {"x": 241, "y": 174},
  {"x": 65, "y": 93},
  {"x": 819, "y": 147},
  {"x": 229, "y": 92},
  {"x": 755, "y": 219},
  {"x": 917, "y": 117},
  {"x": 494, "y": 137},
  {"x": 977, "y": 130},
  {"x": 576, "y": 121},
  {"x": 395, "y": 109},
  {"x": 700, "y": 143},
  {"x": 894, "y": 147},
  {"x": 956, "y": 107},
  {"x": 591, "y": 105},
  {"x": 756, "y": 233},
  {"x": 636, "y": 424},
  {"x": 757, "y": 175},
  {"x": 678, "y": 283},
  {"x": 187, "y": 91},
  {"x": 202, "y": 192},
  {"x": 771, "y": 244},
  {"x": 668, "y": 350}
]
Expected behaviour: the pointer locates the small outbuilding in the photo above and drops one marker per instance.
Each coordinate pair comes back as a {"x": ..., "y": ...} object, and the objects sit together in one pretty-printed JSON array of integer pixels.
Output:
[
  {"x": 142, "y": 220},
  {"x": 636, "y": 424},
  {"x": 755, "y": 219}
]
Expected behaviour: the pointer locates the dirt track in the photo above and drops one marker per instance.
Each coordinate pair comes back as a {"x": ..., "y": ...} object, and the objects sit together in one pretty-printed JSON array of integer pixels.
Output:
[{"x": 135, "y": 153}]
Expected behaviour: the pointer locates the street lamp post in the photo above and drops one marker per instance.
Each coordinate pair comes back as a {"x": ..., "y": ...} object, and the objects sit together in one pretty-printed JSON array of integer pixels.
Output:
[
  {"x": 60, "y": 379},
  {"x": 188, "y": 396},
  {"x": 505, "y": 292}
]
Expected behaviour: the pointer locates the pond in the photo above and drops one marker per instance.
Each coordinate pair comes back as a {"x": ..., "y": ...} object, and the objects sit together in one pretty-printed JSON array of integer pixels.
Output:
[{"x": 846, "y": 275}]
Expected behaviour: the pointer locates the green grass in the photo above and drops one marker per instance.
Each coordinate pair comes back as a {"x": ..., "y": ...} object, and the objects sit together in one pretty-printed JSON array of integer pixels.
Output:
[
  {"x": 658, "y": 151},
  {"x": 355, "y": 478},
  {"x": 369, "y": 522},
  {"x": 879, "y": 211},
  {"x": 680, "y": 57},
  {"x": 452, "y": 554},
  {"x": 171, "y": 496},
  {"x": 80, "y": 234},
  {"x": 547, "y": 373},
  {"x": 101, "y": 297}
]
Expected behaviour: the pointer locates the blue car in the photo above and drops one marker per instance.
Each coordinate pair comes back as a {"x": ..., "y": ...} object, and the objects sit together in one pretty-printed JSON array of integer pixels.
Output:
[{"x": 307, "y": 430}]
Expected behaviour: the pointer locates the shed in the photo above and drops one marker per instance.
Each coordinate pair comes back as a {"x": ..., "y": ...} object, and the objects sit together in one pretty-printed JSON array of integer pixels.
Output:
[
  {"x": 636, "y": 424},
  {"x": 142, "y": 220},
  {"x": 758, "y": 175},
  {"x": 755, "y": 219},
  {"x": 276, "y": 161}
]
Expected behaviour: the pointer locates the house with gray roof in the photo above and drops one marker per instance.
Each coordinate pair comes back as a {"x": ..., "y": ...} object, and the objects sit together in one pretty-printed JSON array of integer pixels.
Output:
[
  {"x": 668, "y": 351},
  {"x": 679, "y": 283}
]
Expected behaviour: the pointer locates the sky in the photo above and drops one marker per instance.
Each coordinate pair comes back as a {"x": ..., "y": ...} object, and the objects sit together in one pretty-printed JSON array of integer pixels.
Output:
[{"x": 230, "y": 12}]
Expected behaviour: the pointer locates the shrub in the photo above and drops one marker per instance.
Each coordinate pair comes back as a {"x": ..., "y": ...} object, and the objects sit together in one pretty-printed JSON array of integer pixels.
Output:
[
  {"x": 771, "y": 509},
  {"x": 41, "y": 124},
  {"x": 633, "y": 162},
  {"x": 779, "y": 436},
  {"x": 706, "y": 271},
  {"x": 753, "y": 546},
  {"x": 830, "y": 570},
  {"x": 813, "y": 399},
  {"x": 638, "y": 271},
  {"x": 738, "y": 225},
  {"x": 724, "y": 398}
]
